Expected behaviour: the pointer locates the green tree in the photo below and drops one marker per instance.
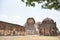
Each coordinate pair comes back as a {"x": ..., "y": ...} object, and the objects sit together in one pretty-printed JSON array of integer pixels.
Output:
[{"x": 48, "y": 4}]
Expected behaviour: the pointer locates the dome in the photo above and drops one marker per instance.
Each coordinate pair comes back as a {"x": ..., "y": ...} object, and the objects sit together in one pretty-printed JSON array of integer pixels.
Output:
[
  {"x": 31, "y": 20},
  {"x": 48, "y": 20}
]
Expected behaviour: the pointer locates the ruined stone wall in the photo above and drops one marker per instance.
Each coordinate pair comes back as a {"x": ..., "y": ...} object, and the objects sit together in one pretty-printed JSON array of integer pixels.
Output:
[{"x": 11, "y": 29}]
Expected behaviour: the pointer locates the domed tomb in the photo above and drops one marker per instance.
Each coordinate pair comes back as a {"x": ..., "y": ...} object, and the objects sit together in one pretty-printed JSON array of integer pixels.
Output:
[
  {"x": 30, "y": 26},
  {"x": 48, "y": 27},
  {"x": 48, "y": 20}
]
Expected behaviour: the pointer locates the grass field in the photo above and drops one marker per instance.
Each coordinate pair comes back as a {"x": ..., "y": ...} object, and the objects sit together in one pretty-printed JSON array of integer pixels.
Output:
[{"x": 30, "y": 37}]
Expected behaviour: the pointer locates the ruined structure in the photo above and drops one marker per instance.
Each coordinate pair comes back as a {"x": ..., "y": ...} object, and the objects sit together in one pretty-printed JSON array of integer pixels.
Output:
[
  {"x": 11, "y": 29},
  {"x": 30, "y": 27},
  {"x": 48, "y": 27}
]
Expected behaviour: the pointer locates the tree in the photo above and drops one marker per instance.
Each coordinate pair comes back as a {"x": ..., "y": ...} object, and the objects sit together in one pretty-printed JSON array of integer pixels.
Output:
[{"x": 48, "y": 4}]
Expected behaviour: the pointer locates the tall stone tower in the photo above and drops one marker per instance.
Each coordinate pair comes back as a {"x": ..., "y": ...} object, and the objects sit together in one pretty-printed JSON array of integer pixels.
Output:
[{"x": 30, "y": 26}]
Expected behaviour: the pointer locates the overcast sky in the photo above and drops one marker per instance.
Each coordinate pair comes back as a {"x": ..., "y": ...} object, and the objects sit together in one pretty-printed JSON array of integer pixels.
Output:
[{"x": 15, "y": 11}]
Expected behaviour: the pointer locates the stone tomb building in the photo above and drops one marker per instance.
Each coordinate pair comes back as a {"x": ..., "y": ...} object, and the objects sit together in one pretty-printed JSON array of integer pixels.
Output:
[
  {"x": 30, "y": 27},
  {"x": 48, "y": 27}
]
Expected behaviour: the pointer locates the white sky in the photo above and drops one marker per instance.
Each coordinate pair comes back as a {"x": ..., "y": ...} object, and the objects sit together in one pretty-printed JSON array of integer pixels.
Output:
[{"x": 15, "y": 11}]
